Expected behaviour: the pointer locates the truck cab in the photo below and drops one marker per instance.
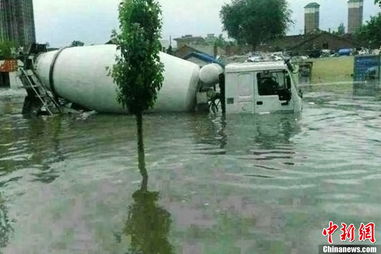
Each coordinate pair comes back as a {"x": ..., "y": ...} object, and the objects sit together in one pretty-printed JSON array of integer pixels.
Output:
[{"x": 262, "y": 87}]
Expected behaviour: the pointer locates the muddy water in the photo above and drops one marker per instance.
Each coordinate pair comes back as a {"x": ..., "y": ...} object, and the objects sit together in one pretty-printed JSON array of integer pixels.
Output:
[{"x": 244, "y": 184}]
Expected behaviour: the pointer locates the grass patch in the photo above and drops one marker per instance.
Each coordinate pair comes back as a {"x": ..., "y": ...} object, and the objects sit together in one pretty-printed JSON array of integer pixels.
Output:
[{"x": 332, "y": 69}]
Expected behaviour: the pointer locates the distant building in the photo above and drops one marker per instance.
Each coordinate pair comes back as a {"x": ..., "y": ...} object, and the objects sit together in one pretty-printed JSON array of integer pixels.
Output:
[
  {"x": 308, "y": 43},
  {"x": 17, "y": 22},
  {"x": 311, "y": 17},
  {"x": 355, "y": 15},
  {"x": 211, "y": 39},
  {"x": 211, "y": 50},
  {"x": 190, "y": 41},
  {"x": 185, "y": 51}
]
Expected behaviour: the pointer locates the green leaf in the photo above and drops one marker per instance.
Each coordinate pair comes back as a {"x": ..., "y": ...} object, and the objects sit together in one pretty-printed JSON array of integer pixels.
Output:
[
  {"x": 255, "y": 21},
  {"x": 137, "y": 73}
]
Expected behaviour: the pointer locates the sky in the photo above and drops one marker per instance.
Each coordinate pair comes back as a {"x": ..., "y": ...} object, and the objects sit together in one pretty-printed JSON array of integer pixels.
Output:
[{"x": 60, "y": 22}]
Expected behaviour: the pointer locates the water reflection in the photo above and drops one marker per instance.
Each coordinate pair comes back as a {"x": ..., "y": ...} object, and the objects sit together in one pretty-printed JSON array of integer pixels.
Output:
[
  {"x": 5, "y": 224},
  {"x": 11, "y": 100},
  {"x": 33, "y": 144},
  {"x": 263, "y": 141},
  {"x": 147, "y": 225},
  {"x": 247, "y": 184},
  {"x": 239, "y": 133},
  {"x": 48, "y": 133},
  {"x": 208, "y": 134},
  {"x": 367, "y": 89},
  {"x": 265, "y": 131}
]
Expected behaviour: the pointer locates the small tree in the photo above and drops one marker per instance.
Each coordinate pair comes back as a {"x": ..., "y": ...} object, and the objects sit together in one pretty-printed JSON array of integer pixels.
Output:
[
  {"x": 170, "y": 50},
  {"x": 138, "y": 71},
  {"x": 377, "y": 2},
  {"x": 221, "y": 42},
  {"x": 341, "y": 29},
  {"x": 255, "y": 21},
  {"x": 8, "y": 49},
  {"x": 370, "y": 33}
]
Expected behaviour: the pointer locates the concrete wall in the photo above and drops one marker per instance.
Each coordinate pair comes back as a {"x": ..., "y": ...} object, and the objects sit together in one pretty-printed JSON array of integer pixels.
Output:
[{"x": 14, "y": 80}]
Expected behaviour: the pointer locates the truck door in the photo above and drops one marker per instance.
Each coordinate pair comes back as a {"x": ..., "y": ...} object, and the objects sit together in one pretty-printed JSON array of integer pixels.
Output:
[{"x": 246, "y": 92}]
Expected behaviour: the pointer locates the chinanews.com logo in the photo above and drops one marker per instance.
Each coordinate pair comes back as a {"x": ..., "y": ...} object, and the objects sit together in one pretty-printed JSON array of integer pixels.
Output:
[{"x": 364, "y": 233}]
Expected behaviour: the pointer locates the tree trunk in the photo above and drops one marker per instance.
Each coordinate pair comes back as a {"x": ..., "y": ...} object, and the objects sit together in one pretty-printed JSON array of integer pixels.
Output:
[{"x": 141, "y": 155}]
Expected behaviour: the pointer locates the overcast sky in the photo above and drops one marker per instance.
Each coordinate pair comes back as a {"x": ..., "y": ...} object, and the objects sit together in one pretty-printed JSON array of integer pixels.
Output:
[{"x": 59, "y": 22}]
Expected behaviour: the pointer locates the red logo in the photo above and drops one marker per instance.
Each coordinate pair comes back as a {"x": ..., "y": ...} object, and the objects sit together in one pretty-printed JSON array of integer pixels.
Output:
[
  {"x": 330, "y": 230},
  {"x": 365, "y": 232},
  {"x": 348, "y": 232}
]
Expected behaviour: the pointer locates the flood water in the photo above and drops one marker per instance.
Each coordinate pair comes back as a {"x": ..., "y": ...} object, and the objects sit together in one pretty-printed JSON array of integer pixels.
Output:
[{"x": 244, "y": 184}]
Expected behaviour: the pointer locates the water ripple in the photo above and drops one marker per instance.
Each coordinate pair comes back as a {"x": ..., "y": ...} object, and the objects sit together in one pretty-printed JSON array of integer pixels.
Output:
[{"x": 237, "y": 177}]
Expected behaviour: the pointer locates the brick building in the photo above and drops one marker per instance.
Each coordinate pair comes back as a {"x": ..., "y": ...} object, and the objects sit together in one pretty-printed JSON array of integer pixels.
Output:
[
  {"x": 304, "y": 44},
  {"x": 17, "y": 22}
]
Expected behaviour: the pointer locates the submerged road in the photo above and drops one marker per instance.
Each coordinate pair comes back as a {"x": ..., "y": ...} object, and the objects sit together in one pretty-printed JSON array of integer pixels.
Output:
[{"x": 245, "y": 184}]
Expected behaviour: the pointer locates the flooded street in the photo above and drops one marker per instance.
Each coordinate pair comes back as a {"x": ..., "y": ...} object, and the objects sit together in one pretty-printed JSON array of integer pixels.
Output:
[{"x": 244, "y": 184}]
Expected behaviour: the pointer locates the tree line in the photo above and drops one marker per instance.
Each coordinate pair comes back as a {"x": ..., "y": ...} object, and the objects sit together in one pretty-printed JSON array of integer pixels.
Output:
[
  {"x": 370, "y": 33},
  {"x": 253, "y": 22}
]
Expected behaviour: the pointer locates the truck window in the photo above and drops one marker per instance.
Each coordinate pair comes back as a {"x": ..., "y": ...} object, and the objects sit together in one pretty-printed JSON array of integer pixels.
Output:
[{"x": 271, "y": 82}]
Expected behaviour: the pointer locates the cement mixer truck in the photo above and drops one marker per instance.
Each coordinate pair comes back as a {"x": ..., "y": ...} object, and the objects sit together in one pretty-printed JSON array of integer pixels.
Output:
[{"x": 78, "y": 77}]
